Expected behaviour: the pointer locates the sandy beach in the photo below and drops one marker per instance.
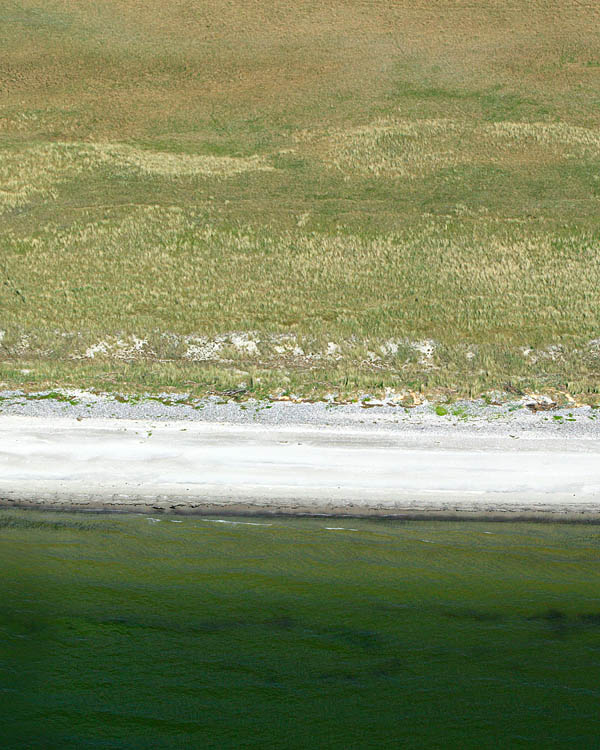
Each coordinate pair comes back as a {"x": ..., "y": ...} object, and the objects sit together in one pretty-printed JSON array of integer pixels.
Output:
[{"x": 294, "y": 460}]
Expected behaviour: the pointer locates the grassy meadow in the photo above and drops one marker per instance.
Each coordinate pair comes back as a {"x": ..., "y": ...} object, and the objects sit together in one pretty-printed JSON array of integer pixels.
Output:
[{"x": 300, "y": 197}]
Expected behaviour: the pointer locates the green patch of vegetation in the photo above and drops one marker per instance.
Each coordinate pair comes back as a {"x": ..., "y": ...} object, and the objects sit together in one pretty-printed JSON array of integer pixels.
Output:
[
  {"x": 493, "y": 103},
  {"x": 52, "y": 396},
  {"x": 460, "y": 412}
]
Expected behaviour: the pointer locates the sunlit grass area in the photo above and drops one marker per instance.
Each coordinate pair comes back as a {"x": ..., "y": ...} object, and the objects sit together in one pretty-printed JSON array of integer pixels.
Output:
[{"x": 321, "y": 198}]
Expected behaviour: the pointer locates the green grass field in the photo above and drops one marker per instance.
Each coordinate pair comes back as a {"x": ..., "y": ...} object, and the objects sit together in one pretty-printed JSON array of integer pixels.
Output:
[{"x": 300, "y": 197}]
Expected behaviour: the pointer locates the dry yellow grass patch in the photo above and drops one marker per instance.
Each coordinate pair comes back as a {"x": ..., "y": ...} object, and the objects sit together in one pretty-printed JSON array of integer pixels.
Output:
[
  {"x": 34, "y": 173},
  {"x": 395, "y": 148},
  {"x": 166, "y": 164},
  {"x": 414, "y": 148},
  {"x": 164, "y": 269},
  {"x": 553, "y": 135}
]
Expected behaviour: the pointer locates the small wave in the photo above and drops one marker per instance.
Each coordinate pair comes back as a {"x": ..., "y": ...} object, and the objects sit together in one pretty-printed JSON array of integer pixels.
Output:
[
  {"x": 235, "y": 523},
  {"x": 174, "y": 521},
  {"x": 339, "y": 528},
  {"x": 445, "y": 491},
  {"x": 154, "y": 520}
]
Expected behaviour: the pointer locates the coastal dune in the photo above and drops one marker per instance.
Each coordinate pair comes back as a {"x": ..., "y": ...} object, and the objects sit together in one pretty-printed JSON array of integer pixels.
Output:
[{"x": 182, "y": 466}]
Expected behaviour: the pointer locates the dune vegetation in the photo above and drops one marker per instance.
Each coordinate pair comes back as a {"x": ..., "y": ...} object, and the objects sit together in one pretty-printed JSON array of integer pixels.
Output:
[{"x": 306, "y": 198}]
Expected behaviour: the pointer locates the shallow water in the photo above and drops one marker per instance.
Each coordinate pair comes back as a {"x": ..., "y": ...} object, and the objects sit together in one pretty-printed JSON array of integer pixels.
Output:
[{"x": 172, "y": 632}]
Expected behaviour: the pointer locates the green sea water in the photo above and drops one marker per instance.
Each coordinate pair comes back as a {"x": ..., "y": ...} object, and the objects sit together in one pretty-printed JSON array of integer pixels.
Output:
[{"x": 125, "y": 632}]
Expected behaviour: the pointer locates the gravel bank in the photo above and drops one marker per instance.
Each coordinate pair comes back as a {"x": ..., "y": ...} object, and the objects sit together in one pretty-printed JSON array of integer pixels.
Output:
[{"x": 462, "y": 417}]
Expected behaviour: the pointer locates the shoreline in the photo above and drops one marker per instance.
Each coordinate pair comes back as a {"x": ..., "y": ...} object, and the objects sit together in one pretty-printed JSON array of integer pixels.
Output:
[
  {"x": 527, "y": 414},
  {"x": 288, "y": 460}
]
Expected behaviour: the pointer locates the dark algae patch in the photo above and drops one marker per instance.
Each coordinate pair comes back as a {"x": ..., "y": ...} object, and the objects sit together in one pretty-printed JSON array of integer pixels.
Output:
[{"x": 128, "y": 632}]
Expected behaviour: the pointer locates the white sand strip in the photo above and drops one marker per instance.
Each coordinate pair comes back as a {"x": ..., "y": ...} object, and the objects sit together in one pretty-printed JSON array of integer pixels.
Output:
[{"x": 185, "y": 467}]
